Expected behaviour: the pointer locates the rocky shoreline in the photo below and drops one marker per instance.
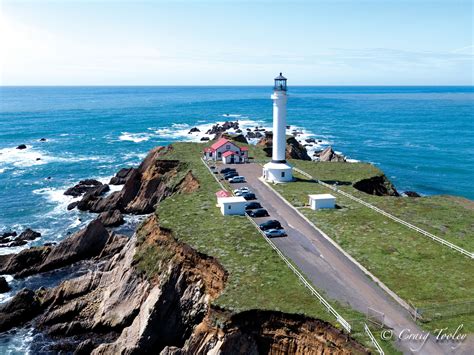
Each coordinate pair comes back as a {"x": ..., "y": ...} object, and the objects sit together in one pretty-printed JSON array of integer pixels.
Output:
[{"x": 118, "y": 308}]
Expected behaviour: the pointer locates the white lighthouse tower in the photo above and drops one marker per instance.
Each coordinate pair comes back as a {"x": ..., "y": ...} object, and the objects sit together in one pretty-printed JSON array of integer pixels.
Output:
[{"x": 278, "y": 170}]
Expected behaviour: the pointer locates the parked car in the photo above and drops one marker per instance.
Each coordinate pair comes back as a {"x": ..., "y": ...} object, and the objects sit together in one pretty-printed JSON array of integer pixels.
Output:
[
  {"x": 275, "y": 233},
  {"x": 212, "y": 167},
  {"x": 271, "y": 224},
  {"x": 230, "y": 175},
  {"x": 252, "y": 206},
  {"x": 237, "y": 179},
  {"x": 249, "y": 196},
  {"x": 259, "y": 212},
  {"x": 242, "y": 190},
  {"x": 227, "y": 170}
]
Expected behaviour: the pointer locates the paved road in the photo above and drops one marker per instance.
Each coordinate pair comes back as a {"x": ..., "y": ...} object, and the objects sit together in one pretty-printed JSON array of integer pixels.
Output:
[{"x": 331, "y": 271}]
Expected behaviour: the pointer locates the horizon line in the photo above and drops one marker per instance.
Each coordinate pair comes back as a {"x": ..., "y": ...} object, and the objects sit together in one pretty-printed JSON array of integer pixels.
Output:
[{"x": 239, "y": 85}]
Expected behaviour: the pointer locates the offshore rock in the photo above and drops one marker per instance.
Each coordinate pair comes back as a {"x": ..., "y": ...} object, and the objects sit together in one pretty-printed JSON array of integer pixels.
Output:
[
  {"x": 82, "y": 187},
  {"x": 21, "y": 147}
]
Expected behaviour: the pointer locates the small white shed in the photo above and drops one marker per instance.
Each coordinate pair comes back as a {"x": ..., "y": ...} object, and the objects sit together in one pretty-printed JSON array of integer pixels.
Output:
[
  {"x": 319, "y": 201},
  {"x": 232, "y": 205}
]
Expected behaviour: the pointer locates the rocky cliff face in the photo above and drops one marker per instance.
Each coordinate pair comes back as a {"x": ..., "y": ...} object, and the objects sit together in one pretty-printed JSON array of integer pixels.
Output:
[{"x": 144, "y": 186}]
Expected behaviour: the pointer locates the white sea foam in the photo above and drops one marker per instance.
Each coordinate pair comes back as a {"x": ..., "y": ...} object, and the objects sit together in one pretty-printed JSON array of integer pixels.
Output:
[
  {"x": 22, "y": 157},
  {"x": 134, "y": 137}
]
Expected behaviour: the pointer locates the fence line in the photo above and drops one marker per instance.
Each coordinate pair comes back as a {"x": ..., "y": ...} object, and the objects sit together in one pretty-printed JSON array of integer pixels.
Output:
[
  {"x": 321, "y": 299},
  {"x": 214, "y": 175},
  {"x": 374, "y": 341},
  {"x": 392, "y": 217}
]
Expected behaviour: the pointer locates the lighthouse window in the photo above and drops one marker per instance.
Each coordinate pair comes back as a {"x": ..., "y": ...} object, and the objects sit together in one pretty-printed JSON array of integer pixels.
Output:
[{"x": 227, "y": 147}]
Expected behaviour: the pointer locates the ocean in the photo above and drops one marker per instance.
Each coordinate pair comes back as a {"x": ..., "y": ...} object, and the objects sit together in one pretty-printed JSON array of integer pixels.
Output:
[{"x": 421, "y": 137}]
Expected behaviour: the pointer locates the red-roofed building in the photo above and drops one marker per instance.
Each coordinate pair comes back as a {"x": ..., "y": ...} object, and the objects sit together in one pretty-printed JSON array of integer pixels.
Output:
[{"x": 226, "y": 150}]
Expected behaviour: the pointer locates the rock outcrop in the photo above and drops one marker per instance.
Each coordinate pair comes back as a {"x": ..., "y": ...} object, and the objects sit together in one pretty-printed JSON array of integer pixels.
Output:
[
  {"x": 377, "y": 185},
  {"x": 328, "y": 154},
  {"x": 87, "y": 185},
  {"x": 122, "y": 176},
  {"x": 11, "y": 239},
  {"x": 294, "y": 150},
  {"x": 20, "y": 309},
  {"x": 145, "y": 186},
  {"x": 154, "y": 296},
  {"x": 4, "y": 286},
  {"x": 111, "y": 218},
  {"x": 85, "y": 244}
]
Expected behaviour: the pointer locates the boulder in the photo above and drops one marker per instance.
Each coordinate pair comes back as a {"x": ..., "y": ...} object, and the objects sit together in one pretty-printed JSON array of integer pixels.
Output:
[
  {"x": 328, "y": 154},
  {"x": 42, "y": 140},
  {"x": 112, "y": 218},
  {"x": 23, "y": 307},
  {"x": 21, "y": 147},
  {"x": 121, "y": 177},
  {"x": 203, "y": 139},
  {"x": 4, "y": 286},
  {"x": 72, "y": 205}
]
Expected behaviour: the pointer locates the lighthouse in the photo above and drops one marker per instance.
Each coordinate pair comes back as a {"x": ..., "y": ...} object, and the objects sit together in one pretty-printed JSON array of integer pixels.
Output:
[{"x": 278, "y": 170}]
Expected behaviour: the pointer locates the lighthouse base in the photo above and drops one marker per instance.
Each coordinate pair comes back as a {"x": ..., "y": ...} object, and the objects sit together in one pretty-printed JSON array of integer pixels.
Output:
[{"x": 278, "y": 172}]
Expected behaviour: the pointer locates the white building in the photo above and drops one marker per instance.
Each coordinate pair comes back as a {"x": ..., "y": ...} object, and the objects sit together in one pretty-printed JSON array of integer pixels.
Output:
[
  {"x": 233, "y": 153},
  {"x": 278, "y": 170},
  {"x": 232, "y": 205},
  {"x": 319, "y": 201}
]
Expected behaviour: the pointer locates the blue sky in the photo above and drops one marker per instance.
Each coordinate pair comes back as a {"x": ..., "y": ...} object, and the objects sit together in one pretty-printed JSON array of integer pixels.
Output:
[{"x": 377, "y": 42}]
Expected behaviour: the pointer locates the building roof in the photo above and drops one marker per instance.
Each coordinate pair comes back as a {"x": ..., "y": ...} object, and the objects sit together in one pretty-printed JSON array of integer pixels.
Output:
[
  {"x": 220, "y": 143},
  {"x": 228, "y": 153},
  {"x": 233, "y": 199},
  {"x": 223, "y": 193},
  {"x": 244, "y": 149},
  {"x": 322, "y": 197},
  {"x": 209, "y": 149}
]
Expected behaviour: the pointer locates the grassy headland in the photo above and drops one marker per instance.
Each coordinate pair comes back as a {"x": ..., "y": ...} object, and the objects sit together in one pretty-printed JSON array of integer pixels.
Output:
[
  {"x": 415, "y": 267},
  {"x": 258, "y": 278}
]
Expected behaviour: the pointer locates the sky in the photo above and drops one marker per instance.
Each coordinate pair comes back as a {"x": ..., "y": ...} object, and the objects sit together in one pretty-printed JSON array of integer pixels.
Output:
[{"x": 225, "y": 42}]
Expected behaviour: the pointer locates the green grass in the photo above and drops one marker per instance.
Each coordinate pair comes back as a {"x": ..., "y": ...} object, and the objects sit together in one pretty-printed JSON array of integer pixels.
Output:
[
  {"x": 258, "y": 278},
  {"x": 416, "y": 268}
]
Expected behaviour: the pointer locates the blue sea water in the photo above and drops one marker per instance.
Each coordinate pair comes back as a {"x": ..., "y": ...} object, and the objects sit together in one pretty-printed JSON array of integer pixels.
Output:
[{"x": 422, "y": 137}]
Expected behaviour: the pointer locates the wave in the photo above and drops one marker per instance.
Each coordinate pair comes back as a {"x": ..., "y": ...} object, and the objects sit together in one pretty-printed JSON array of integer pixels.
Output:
[{"x": 134, "y": 137}]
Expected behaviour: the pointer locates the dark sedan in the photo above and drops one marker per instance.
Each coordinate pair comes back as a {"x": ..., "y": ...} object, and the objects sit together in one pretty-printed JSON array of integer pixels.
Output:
[
  {"x": 252, "y": 206},
  {"x": 271, "y": 224},
  {"x": 260, "y": 212}
]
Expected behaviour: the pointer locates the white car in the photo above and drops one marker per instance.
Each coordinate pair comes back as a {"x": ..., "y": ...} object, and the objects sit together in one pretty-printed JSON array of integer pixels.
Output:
[
  {"x": 242, "y": 190},
  {"x": 237, "y": 179},
  {"x": 275, "y": 233}
]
